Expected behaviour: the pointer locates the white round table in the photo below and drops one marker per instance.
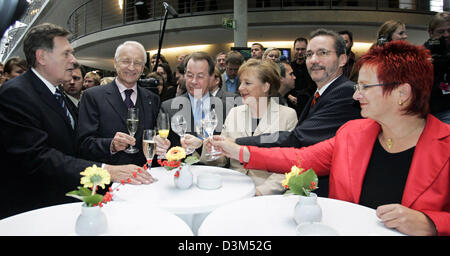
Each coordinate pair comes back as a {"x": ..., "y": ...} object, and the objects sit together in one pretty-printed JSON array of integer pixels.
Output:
[
  {"x": 124, "y": 219},
  {"x": 192, "y": 204},
  {"x": 274, "y": 216}
]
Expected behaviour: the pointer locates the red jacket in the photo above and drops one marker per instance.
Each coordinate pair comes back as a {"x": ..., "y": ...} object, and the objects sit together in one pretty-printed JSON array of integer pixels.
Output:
[{"x": 346, "y": 156}]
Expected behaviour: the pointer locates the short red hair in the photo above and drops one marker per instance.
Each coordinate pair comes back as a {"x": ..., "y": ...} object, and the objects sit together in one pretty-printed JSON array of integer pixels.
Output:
[{"x": 400, "y": 62}]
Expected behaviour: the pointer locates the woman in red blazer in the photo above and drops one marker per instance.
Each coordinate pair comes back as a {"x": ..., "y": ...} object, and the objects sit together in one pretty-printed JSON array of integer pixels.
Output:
[{"x": 396, "y": 160}]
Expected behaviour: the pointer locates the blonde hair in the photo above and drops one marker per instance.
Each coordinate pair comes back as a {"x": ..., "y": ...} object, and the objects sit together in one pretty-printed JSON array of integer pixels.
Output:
[
  {"x": 106, "y": 80},
  {"x": 388, "y": 28},
  {"x": 270, "y": 49},
  {"x": 94, "y": 76},
  {"x": 266, "y": 71}
]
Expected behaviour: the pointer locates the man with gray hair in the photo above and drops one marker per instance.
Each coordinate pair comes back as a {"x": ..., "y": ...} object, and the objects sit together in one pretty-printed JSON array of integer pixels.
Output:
[
  {"x": 37, "y": 145},
  {"x": 331, "y": 106},
  {"x": 102, "y": 132}
]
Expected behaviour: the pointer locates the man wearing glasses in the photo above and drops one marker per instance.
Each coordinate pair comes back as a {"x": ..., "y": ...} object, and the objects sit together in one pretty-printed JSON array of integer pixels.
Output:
[
  {"x": 102, "y": 132},
  {"x": 329, "y": 108}
]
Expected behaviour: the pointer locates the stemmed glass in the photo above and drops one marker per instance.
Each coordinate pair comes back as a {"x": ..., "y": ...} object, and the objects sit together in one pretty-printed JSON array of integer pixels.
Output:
[
  {"x": 209, "y": 125},
  {"x": 149, "y": 146},
  {"x": 179, "y": 126},
  {"x": 163, "y": 127},
  {"x": 132, "y": 125}
]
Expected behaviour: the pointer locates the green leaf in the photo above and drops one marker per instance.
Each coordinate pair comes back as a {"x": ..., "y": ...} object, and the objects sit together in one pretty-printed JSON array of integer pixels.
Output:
[
  {"x": 95, "y": 199},
  {"x": 169, "y": 168},
  {"x": 299, "y": 184}
]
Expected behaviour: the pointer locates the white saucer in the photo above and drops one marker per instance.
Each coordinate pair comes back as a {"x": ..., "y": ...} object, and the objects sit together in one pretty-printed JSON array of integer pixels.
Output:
[{"x": 315, "y": 229}]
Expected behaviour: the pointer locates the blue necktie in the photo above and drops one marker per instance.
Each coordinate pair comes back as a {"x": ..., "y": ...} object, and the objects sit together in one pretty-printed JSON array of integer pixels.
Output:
[
  {"x": 59, "y": 98},
  {"x": 128, "y": 100}
]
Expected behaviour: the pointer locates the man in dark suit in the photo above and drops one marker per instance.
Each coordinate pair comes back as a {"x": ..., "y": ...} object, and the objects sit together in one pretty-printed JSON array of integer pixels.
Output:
[
  {"x": 199, "y": 74},
  {"x": 73, "y": 89},
  {"x": 102, "y": 131},
  {"x": 323, "y": 115},
  {"x": 37, "y": 146}
]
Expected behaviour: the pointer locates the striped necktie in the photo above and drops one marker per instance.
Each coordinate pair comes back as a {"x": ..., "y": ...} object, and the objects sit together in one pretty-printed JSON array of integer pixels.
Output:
[
  {"x": 316, "y": 96},
  {"x": 62, "y": 103},
  {"x": 128, "y": 100}
]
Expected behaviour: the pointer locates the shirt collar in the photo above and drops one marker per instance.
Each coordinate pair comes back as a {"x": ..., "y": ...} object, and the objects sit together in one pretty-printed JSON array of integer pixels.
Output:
[
  {"x": 50, "y": 86},
  {"x": 122, "y": 87},
  {"x": 204, "y": 99},
  {"x": 322, "y": 90}
]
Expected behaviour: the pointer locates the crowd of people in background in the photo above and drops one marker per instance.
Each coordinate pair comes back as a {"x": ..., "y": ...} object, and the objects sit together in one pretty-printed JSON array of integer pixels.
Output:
[{"x": 265, "y": 101}]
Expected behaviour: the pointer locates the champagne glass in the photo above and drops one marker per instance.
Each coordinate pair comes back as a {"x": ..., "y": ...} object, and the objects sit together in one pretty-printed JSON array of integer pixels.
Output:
[
  {"x": 179, "y": 126},
  {"x": 209, "y": 125},
  {"x": 149, "y": 146},
  {"x": 163, "y": 127},
  {"x": 132, "y": 125}
]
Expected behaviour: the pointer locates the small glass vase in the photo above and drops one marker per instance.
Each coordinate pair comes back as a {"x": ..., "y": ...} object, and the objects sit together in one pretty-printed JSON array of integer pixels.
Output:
[
  {"x": 183, "y": 177},
  {"x": 307, "y": 209},
  {"x": 91, "y": 222}
]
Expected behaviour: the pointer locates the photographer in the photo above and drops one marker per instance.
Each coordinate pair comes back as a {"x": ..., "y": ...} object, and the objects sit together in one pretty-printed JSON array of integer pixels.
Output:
[{"x": 439, "y": 46}]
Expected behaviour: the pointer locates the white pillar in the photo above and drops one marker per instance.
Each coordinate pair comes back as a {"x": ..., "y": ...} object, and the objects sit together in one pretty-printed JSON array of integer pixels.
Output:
[{"x": 240, "y": 17}]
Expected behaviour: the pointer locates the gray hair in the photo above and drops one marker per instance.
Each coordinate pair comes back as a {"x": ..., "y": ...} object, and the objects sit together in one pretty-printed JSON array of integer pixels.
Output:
[
  {"x": 339, "y": 43},
  {"x": 135, "y": 43}
]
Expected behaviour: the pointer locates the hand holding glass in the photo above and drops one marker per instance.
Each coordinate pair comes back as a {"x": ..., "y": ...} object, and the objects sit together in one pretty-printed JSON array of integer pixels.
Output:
[
  {"x": 132, "y": 125},
  {"x": 179, "y": 126}
]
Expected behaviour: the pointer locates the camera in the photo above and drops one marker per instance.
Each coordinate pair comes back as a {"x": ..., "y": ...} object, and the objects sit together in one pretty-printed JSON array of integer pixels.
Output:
[
  {"x": 149, "y": 84},
  {"x": 437, "y": 47}
]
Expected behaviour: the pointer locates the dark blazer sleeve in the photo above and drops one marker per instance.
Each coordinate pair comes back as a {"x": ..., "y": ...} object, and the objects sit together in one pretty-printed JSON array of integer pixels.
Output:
[
  {"x": 91, "y": 144},
  {"x": 37, "y": 152},
  {"x": 319, "y": 123}
]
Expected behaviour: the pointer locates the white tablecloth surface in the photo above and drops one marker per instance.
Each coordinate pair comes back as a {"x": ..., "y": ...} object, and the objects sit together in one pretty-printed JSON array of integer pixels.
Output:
[
  {"x": 123, "y": 219},
  {"x": 192, "y": 204},
  {"x": 274, "y": 216}
]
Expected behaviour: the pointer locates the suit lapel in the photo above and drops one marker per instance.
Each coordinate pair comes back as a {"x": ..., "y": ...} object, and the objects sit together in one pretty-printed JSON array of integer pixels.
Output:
[
  {"x": 359, "y": 156},
  {"x": 47, "y": 96},
  {"x": 115, "y": 100},
  {"x": 269, "y": 118},
  {"x": 425, "y": 165},
  {"x": 308, "y": 110}
]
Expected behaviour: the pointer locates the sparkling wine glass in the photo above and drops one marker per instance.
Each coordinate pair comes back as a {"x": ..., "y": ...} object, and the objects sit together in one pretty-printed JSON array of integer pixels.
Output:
[
  {"x": 132, "y": 125},
  {"x": 163, "y": 127},
  {"x": 149, "y": 146},
  {"x": 209, "y": 125},
  {"x": 179, "y": 126}
]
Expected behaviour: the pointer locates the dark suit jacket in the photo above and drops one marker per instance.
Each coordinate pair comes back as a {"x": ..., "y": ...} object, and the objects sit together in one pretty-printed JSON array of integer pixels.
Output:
[
  {"x": 333, "y": 108},
  {"x": 102, "y": 113},
  {"x": 37, "y": 148},
  {"x": 181, "y": 105}
]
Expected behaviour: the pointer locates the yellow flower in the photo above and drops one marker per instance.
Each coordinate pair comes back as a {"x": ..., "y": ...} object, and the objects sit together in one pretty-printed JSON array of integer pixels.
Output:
[
  {"x": 295, "y": 171},
  {"x": 95, "y": 176},
  {"x": 176, "y": 154}
]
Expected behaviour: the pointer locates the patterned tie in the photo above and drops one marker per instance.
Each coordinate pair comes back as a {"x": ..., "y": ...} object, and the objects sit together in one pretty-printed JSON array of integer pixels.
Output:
[
  {"x": 316, "y": 96},
  {"x": 128, "y": 100},
  {"x": 60, "y": 100}
]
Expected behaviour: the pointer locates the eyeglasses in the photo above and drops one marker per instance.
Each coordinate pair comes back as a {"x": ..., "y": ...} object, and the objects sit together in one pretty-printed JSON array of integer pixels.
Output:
[
  {"x": 127, "y": 63},
  {"x": 363, "y": 87},
  {"x": 320, "y": 53},
  {"x": 191, "y": 76}
]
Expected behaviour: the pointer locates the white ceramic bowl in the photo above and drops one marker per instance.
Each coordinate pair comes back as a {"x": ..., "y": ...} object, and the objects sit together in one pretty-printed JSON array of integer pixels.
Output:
[
  {"x": 209, "y": 181},
  {"x": 315, "y": 229}
]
